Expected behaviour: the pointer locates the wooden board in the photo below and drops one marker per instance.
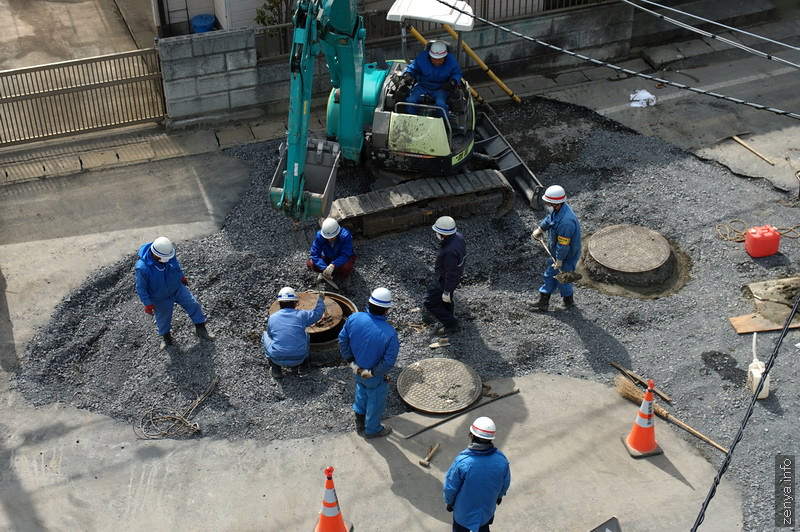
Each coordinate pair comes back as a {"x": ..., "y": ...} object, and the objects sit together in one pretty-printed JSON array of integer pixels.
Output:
[{"x": 750, "y": 323}]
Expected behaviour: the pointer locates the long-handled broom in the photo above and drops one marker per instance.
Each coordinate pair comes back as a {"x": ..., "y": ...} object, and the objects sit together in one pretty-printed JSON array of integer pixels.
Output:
[{"x": 627, "y": 389}]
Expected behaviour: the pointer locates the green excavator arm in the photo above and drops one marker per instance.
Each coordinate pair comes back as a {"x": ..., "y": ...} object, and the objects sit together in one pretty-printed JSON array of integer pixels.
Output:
[{"x": 303, "y": 183}]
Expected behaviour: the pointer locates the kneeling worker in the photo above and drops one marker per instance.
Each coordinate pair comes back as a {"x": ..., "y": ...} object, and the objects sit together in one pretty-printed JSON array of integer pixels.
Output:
[
  {"x": 286, "y": 342},
  {"x": 332, "y": 251}
]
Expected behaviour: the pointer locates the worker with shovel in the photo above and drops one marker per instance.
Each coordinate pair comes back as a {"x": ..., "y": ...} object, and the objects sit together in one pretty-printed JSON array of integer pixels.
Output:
[{"x": 564, "y": 248}]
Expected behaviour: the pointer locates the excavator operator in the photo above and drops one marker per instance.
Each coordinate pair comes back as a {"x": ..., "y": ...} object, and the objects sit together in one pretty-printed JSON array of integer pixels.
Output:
[{"x": 436, "y": 73}]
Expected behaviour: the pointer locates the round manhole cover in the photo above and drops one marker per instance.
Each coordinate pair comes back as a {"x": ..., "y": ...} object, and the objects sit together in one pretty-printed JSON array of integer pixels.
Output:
[
  {"x": 439, "y": 385},
  {"x": 629, "y": 248},
  {"x": 333, "y": 311}
]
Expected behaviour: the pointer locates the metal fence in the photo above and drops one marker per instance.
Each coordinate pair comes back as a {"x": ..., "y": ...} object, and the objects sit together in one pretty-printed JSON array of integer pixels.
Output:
[
  {"x": 277, "y": 40},
  {"x": 69, "y": 97}
]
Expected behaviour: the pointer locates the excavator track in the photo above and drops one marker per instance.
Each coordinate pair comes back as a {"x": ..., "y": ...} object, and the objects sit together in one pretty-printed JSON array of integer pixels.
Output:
[{"x": 421, "y": 201}]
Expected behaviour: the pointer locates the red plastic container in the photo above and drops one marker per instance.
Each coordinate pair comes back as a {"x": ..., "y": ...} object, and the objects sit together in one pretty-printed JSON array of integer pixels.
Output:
[{"x": 762, "y": 241}]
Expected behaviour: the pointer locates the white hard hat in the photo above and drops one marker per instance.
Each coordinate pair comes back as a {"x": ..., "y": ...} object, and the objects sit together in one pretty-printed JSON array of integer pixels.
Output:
[
  {"x": 381, "y": 297},
  {"x": 163, "y": 248},
  {"x": 287, "y": 293},
  {"x": 483, "y": 427},
  {"x": 438, "y": 50},
  {"x": 330, "y": 228},
  {"x": 445, "y": 225},
  {"x": 554, "y": 194}
]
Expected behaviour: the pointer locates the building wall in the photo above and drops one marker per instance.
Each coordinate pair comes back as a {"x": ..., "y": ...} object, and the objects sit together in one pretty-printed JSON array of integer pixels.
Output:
[
  {"x": 217, "y": 71},
  {"x": 209, "y": 73}
]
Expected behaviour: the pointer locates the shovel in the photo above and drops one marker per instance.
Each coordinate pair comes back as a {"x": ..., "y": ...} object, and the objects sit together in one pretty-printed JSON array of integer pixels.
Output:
[
  {"x": 562, "y": 277},
  {"x": 328, "y": 280}
]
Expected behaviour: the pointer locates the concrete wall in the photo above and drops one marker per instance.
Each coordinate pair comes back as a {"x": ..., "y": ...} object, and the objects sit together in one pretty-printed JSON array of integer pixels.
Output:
[{"x": 209, "y": 73}]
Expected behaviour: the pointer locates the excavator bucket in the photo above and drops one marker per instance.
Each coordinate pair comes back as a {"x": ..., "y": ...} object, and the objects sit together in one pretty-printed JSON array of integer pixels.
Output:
[{"x": 319, "y": 181}]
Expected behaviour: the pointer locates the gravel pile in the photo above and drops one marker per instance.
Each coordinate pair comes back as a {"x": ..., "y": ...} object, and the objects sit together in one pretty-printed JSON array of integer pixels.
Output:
[{"x": 100, "y": 352}]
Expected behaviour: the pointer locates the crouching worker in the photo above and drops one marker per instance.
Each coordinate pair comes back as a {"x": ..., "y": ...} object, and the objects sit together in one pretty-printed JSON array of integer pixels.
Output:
[
  {"x": 286, "y": 342},
  {"x": 371, "y": 346},
  {"x": 332, "y": 251},
  {"x": 160, "y": 283}
]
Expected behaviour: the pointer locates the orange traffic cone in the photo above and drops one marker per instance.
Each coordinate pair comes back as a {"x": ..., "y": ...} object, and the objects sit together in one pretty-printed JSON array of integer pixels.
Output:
[
  {"x": 641, "y": 441},
  {"x": 330, "y": 517}
]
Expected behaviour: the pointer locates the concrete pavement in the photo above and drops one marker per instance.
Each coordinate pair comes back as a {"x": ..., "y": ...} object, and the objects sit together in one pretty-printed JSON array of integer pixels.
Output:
[{"x": 65, "y": 469}]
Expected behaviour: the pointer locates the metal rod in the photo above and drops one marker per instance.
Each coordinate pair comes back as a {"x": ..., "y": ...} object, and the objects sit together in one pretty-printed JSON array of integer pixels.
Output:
[{"x": 448, "y": 418}]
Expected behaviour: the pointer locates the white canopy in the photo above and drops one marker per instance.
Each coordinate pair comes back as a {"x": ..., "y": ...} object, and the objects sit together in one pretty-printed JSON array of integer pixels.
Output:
[{"x": 432, "y": 11}]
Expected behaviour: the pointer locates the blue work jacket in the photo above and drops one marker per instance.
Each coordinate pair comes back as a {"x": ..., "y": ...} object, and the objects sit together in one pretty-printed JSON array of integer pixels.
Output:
[
  {"x": 432, "y": 78},
  {"x": 323, "y": 253},
  {"x": 287, "y": 330},
  {"x": 450, "y": 262},
  {"x": 564, "y": 235},
  {"x": 371, "y": 342},
  {"x": 156, "y": 281},
  {"x": 474, "y": 482}
]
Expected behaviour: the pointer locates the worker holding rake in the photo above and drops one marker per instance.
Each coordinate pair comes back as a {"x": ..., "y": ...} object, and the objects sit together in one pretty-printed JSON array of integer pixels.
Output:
[{"x": 564, "y": 248}]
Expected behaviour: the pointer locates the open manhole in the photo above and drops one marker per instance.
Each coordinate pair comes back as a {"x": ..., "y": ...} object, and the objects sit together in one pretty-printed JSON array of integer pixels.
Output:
[
  {"x": 439, "y": 385},
  {"x": 325, "y": 333},
  {"x": 629, "y": 255}
]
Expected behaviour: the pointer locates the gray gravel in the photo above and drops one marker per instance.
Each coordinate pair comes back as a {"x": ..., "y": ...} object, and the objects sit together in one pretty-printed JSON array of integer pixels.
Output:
[{"x": 100, "y": 351}]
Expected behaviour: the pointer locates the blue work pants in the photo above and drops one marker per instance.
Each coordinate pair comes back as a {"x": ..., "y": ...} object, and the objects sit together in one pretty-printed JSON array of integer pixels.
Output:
[
  {"x": 164, "y": 308},
  {"x": 371, "y": 402},
  {"x": 419, "y": 91},
  {"x": 444, "y": 312},
  {"x": 550, "y": 282}
]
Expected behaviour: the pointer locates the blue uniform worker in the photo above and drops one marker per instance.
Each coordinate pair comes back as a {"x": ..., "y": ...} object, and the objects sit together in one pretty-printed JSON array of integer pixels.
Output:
[
  {"x": 447, "y": 272},
  {"x": 437, "y": 73},
  {"x": 286, "y": 342},
  {"x": 371, "y": 347},
  {"x": 332, "y": 251},
  {"x": 161, "y": 284},
  {"x": 564, "y": 243},
  {"x": 477, "y": 480}
]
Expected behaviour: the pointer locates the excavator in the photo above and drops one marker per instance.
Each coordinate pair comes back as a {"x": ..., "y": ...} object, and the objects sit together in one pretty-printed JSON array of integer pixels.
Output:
[{"x": 368, "y": 123}]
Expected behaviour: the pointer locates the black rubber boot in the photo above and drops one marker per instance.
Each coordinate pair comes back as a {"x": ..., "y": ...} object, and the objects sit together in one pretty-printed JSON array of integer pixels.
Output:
[
  {"x": 275, "y": 370},
  {"x": 166, "y": 341},
  {"x": 385, "y": 431},
  {"x": 202, "y": 332},
  {"x": 566, "y": 303},
  {"x": 361, "y": 422},
  {"x": 543, "y": 303}
]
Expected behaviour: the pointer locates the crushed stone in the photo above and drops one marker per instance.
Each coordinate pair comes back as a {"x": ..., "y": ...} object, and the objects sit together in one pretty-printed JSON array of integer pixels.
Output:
[{"x": 100, "y": 351}]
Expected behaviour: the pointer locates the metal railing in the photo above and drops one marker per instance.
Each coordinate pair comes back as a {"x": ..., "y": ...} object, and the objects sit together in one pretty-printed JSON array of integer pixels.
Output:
[
  {"x": 277, "y": 40},
  {"x": 69, "y": 97}
]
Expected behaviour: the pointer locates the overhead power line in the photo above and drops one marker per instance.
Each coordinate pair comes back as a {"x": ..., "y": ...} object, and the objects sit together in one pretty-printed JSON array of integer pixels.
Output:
[
  {"x": 721, "y": 25},
  {"x": 704, "y": 33},
  {"x": 739, "y": 101}
]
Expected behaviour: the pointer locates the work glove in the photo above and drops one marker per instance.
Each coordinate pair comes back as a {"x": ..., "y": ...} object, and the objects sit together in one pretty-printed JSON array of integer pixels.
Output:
[
  {"x": 446, "y": 297},
  {"x": 365, "y": 373},
  {"x": 449, "y": 507},
  {"x": 328, "y": 271},
  {"x": 557, "y": 264},
  {"x": 499, "y": 500},
  {"x": 537, "y": 233},
  {"x": 408, "y": 79},
  {"x": 185, "y": 281},
  {"x": 149, "y": 309},
  {"x": 354, "y": 367},
  {"x": 451, "y": 84}
]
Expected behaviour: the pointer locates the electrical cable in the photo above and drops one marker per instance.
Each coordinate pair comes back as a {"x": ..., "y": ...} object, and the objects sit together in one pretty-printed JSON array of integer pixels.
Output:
[
  {"x": 727, "y": 460},
  {"x": 713, "y": 36},
  {"x": 696, "y": 90},
  {"x": 707, "y": 21}
]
